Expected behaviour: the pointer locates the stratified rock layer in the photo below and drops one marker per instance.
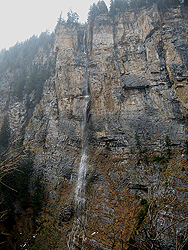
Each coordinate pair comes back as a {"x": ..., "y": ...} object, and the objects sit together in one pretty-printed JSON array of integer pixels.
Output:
[
  {"x": 138, "y": 85},
  {"x": 134, "y": 72}
]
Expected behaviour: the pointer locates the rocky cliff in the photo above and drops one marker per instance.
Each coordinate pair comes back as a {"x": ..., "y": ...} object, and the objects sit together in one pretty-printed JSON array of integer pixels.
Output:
[{"x": 137, "y": 70}]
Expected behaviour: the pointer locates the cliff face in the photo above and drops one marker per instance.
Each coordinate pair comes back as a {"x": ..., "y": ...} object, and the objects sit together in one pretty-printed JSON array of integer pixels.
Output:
[
  {"x": 142, "y": 74},
  {"x": 138, "y": 83}
]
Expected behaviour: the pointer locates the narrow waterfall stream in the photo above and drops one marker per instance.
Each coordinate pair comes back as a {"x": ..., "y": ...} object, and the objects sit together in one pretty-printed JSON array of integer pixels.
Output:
[{"x": 77, "y": 235}]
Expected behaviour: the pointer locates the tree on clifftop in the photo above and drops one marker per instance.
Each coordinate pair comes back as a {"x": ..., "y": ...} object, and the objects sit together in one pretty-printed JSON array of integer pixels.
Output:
[
  {"x": 60, "y": 21},
  {"x": 97, "y": 9},
  {"x": 117, "y": 6},
  {"x": 72, "y": 17},
  {"x": 141, "y": 3},
  {"x": 102, "y": 8}
]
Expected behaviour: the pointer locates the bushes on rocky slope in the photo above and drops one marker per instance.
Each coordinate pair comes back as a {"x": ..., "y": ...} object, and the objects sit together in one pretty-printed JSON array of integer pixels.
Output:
[{"x": 29, "y": 68}]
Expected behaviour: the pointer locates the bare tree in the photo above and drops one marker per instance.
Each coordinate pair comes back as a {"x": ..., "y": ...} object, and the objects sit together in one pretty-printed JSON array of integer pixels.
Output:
[
  {"x": 8, "y": 163},
  {"x": 163, "y": 227}
]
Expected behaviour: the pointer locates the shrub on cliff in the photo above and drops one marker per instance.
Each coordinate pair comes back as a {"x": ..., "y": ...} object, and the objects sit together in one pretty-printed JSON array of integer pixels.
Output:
[
  {"x": 168, "y": 146},
  {"x": 4, "y": 135},
  {"x": 186, "y": 147},
  {"x": 161, "y": 227},
  {"x": 38, "y": 75},
  {"x": 18, "y": 84},
  {"x": 37, "y": 197}
]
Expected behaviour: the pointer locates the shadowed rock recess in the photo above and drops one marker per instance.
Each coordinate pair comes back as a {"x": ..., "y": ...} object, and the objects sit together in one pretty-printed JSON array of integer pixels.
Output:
[{"x": 138, "y": 96}]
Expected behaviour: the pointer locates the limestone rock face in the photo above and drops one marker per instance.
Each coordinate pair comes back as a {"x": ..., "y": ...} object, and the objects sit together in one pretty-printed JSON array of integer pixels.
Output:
[
  {"x": 133, "y": 74},
  {"x": 70, "y": 82},
  {"x": 137, "y": 76},
  {"x": 137, "y": 73}
]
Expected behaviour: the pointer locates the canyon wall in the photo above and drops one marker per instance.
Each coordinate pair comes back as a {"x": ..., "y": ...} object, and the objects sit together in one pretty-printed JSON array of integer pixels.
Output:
[{"x": 138, "y": 85}]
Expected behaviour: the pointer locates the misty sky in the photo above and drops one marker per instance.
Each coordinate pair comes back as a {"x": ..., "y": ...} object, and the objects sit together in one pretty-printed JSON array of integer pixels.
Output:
[{"x": 20, "y": 19}]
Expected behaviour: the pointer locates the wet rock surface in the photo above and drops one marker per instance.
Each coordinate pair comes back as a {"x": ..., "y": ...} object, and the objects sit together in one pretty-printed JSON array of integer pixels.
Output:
[{"x": 138, "y": 83}]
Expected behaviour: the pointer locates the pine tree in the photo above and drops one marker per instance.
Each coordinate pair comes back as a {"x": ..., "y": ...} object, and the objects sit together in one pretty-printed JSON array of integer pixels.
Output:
[
  {"x": 93, "y": 12},
  {"x": 102, "y": 8},
  {"x": 186, "y": 2},
  {"x": 136, "y": 4},
  {"x": 4, "y": 135},
  {"x": 97, "y": 9},
  {"x": 72, "y": 17},
  {"x": 60, "y": 21},
  {"x": 117, "y": 6},
  {"x": 37, "y": 197},
  {"x": 168, "y": 145}
]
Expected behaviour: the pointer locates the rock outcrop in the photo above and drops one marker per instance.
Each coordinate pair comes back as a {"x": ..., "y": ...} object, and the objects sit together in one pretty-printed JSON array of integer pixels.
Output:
[{"x": 138, "y": 84}]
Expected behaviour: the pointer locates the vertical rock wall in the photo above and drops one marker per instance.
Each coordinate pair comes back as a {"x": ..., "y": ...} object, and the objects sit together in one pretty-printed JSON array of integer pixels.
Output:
[
  {"x": 137, "y": 72},
  {"x": 138, "y": 84},
  {"x": 133, "y": 87}
]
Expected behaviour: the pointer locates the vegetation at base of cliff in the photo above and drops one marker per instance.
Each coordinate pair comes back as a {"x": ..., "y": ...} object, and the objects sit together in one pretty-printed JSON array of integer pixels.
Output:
[
  {"x": 16, "y": 169},
  {"x": 163, "y": 222},
  {"x": 16, "y": 201},
  {"x": 15, "y": 186},
  {"x": 17, "y": 205}
]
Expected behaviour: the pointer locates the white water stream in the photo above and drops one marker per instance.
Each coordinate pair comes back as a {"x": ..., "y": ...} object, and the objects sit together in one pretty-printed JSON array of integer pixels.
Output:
[{"x": 77, "y": 235}]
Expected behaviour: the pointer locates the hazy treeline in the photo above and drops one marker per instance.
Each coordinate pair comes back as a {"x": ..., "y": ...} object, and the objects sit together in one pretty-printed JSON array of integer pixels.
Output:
[
  {"x": 117, "y": 6},
  {"x": 28, "y": 72}
]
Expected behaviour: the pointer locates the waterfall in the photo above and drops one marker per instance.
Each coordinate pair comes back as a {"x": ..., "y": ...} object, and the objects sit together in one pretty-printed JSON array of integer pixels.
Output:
[{"x": 77, "y": 235}]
